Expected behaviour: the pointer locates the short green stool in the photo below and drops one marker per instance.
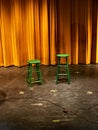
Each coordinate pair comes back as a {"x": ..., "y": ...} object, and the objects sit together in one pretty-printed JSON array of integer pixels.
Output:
[
  {"x": 66, "y": 73},
  {"x": 34, "y": 65}
]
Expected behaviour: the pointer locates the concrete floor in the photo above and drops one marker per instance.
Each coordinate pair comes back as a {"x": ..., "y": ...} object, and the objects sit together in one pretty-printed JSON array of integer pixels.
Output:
[{"x": 49, "y": 106}]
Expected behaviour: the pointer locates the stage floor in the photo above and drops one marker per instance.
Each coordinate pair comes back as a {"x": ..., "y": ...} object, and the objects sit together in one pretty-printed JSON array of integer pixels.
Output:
[{"x": 49, "y": 106}]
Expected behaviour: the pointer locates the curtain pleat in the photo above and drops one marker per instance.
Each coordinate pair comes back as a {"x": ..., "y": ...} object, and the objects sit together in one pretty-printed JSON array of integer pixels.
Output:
[
  {"x": 44, "y": 32},
  {"x": 1, "y": 53},
  {"x": 64, "y": 27},
  {"x": 6, "y": 32},
  {"x": 30, "y": 29},
  {"x": 39, "y": 29},
  {"x": 94, "y": 54},
  {"x": 53, "y": 32},
  {"x": 74, "y": 31}
]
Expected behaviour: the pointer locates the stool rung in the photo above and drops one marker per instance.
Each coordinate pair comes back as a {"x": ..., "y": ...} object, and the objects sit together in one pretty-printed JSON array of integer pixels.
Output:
[
  {"x": 62, "y": 74},
  {"x": 35, "y": 70},
  {"x": 62, "y": 65},
  {"x": 38, "y": 71},
  {"x": 36, "y": 81}
]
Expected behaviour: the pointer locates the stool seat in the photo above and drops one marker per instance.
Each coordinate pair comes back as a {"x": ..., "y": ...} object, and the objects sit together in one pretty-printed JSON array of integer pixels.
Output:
[
  {"x": 62, "y": 55},
  {"x": 33, "y": 61},
  {"x": 31, "y": 69},
  {"x": 65, "y": 65}
]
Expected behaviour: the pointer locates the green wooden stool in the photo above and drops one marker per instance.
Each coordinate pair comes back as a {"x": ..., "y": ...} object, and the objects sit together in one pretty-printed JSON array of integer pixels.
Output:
[
  {"x": 31, "y": 69},
  {"x": 60, "y": 65}
]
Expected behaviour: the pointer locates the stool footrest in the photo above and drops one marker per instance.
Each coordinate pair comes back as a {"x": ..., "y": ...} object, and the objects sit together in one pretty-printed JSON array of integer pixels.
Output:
[
  {"x": 62, "y": 65},
  {"x": 35, "y": 71},
  {"x": 36, "y": 81},
  {"x": 62, "y": 74}
]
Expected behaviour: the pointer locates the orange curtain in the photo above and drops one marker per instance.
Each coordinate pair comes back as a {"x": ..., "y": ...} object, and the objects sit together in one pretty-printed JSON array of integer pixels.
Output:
[{"x": 39, "y": 29}]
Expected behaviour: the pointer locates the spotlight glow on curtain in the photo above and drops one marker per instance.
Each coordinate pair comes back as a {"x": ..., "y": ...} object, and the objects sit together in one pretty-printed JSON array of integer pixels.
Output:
[{"x": 39, "y": 29}]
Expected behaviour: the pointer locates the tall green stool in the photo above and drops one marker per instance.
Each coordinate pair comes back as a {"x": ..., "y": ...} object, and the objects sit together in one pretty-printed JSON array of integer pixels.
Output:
[
  {"x": 66, "y": 73},
  {"x": 34, "y": 65}
]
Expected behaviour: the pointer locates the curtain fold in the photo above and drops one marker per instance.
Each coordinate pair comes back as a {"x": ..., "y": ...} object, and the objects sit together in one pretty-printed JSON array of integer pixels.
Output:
[
  {"x": 39, "y": 29},
  {"x": 94, "y": 57},
  {"x": 44, "y": 39},
  {"x": 64, "y": 28},
  {"x": 74, "y": 30},
  {"x": 1, "y": 53},
  {"x": 53, "y": 31}
]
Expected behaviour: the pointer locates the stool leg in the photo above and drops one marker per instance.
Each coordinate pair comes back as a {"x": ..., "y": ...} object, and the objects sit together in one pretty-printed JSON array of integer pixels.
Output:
[
  {"x": 67, "y": 69},
  {"x": 58, "y": 70},
  {"x": 39, "y": 72},
  {"x": 29, "y": 80}
]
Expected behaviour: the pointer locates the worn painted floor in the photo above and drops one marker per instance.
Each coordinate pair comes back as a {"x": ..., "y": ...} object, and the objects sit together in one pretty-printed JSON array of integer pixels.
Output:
[{"x": 49, "y": 106}]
